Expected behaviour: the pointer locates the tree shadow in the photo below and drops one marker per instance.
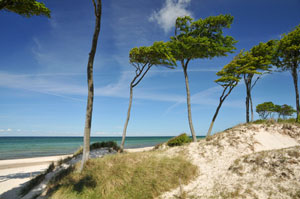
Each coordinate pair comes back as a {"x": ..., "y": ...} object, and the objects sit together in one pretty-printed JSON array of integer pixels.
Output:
[
  {"x": 87, "y": 182},
  {"x": 18, "y": 176}
]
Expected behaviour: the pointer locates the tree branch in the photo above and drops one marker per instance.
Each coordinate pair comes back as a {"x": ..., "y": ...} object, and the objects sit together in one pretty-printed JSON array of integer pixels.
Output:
[
  {"x": 149, "y": 66},
  {"x": 95, "y": 7}
]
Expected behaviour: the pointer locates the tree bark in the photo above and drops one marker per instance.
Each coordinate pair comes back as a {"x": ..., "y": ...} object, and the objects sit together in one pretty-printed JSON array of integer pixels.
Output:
[
  {"x": 251, "y": 107},
  {"x": 127, "y": 120},
  {"x": 222, "y": 99},
  {"x": 248, "y": 94},
  {"x": 295, "y": 78},
  {"x": 188, "y": 101},
  {"x": 90, "y": 99}
]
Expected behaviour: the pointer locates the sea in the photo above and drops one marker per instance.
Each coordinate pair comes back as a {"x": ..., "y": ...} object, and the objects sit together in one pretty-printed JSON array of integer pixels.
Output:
[{"x": 28, "y": 147}]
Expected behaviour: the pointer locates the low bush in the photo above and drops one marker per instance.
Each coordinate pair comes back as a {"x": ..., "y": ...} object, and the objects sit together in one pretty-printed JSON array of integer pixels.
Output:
[
  {"x": 108, "y": 144},
  {"x": 179, "y": 140}
]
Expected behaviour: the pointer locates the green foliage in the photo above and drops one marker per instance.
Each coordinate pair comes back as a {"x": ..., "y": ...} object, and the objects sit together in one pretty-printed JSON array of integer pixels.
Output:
[
  {"x": 179, "y": 140},
  {"x": 157, "y": 54},
  {"x": 265, "y": 109},
  {"x": 25, "y": 8},
  {"x": 229, "y": 75},
  {"x": 202, "y": 38},
  {"x": 133, "y": 175},
  {"x": 257, "y": 60},
  {"x": 108, "y": 144},
  {"x": 288, "y": 50},
  {"x": 284, "y": 110}
]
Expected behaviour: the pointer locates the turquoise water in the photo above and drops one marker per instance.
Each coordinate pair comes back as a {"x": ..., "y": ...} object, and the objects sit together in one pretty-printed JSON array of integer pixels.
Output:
[{"x": 27, "y": 147}]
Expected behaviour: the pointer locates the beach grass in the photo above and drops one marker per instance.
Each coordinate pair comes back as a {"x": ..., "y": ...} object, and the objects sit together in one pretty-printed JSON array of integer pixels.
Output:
[{"x": 130, "y": 175}]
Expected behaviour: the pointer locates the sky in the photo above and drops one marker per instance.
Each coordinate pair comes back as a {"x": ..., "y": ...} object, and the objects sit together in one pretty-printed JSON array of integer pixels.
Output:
[{"x": 43, "y": 86}]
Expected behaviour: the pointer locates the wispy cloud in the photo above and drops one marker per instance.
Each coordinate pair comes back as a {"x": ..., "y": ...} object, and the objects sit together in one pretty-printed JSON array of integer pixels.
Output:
[{"x": 167, "y": 15}]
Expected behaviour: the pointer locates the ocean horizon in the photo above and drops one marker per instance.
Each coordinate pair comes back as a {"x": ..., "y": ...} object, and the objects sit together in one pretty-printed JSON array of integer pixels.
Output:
[{"x": 16, "y": 147}]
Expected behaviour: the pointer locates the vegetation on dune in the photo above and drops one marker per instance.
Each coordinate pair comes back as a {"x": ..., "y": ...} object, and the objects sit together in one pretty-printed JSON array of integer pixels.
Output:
[
  {"x": 179, "y": 140},
  {"x": 132, "y": 175},
  {"x": 268, "y": 109}
]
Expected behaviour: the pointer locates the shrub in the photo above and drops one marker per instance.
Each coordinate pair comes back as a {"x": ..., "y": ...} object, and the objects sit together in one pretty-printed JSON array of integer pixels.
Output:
[
  {"x": 108, "y": 144},
  {"x": 179, "y": 140}
]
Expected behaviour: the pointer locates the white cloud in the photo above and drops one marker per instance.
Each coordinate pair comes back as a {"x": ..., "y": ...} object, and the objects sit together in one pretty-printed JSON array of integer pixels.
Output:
[{"x": 167, "y": 15}]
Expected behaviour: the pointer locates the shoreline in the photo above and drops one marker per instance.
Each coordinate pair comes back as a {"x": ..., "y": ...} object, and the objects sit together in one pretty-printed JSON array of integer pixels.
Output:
[{"x": 15, "y": 172}]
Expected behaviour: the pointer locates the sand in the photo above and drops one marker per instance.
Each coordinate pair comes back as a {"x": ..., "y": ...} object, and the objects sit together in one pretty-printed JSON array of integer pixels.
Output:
[
  {"x": 14, "y": 173},
  {"x": 215, "y": 158}
]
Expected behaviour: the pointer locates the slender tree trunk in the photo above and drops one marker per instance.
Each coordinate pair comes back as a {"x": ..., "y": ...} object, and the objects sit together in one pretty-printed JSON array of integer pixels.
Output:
[
  {"x": 247, "y": 80},
  {"x": 89, "y": 107},
  {"x": 251, "y": 108},
  {"x": 127, "y": 119},
  {"x": 214, "y": 119},
  {"x": 188, "y": 102},
  {"x": 295, "y": 78},
  {"x": 222, "y": 99}
]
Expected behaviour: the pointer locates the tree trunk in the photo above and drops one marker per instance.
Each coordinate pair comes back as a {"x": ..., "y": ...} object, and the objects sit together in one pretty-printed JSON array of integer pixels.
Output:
[
  {"x": 213, "y": 120},
  {"x": 248, "y": 94},
  {"x": 251, "y": 107},
  {"x": 222, "y": 99},
  {"x": 189, "y": 103},
  {"x": 295, "y": 78},
  {"x": 89, "y": 107},
  {"x": 127, "y": 120}
]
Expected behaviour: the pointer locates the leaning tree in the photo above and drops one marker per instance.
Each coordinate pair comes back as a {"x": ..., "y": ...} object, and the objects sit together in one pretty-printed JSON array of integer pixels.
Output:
[
  {"x": 142, "y": 59},
  {"x": 252, "y": 65},
  {"x": 90, "y": 82},
  {"x": 25, "y": 8},
  {"x": 229, "y": 78},
  {"x": 200, "y": 39},
  {"x": 288, "y": 59}
]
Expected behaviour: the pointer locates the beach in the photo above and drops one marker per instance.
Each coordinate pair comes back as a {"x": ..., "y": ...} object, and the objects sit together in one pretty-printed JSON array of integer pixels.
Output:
[{"x": 14, "y": 173}]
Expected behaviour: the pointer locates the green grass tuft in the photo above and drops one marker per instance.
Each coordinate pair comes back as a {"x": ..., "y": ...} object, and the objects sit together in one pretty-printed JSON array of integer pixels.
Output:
[
  {"x": 133, "y": 175},
  {"x": 179, "y": 140}
]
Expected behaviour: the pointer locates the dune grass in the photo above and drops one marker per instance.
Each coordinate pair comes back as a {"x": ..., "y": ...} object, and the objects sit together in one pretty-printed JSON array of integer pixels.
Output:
[{"x": 133, "y": 175}]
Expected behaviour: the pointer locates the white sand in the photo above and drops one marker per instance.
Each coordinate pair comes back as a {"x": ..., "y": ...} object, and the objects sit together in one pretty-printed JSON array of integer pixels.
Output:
[
  {"x": 16, "y": 172},
  {"x": 213, "y": 158},
  {"x": 139, "y": 149}
]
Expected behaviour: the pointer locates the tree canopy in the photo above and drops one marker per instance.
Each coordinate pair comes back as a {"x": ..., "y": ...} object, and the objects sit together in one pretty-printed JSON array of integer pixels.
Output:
[
  {"x": 287, "y": 58},
  {"x": 27, "y": 8},
  {"x": 202, "y": 38},
  {"x": 256, "y": 61},
  {"x": 265, "y": 109}
]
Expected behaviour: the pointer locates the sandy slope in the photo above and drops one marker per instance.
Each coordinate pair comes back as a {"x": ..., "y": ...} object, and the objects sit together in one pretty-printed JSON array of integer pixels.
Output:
[
  {"x": 222, "y": 173},
  {"x": 16, "y": 172}
]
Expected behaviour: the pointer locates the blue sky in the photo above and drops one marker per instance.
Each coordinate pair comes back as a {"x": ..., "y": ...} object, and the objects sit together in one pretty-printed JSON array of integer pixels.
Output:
[{"x": 43, "y": 67}]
